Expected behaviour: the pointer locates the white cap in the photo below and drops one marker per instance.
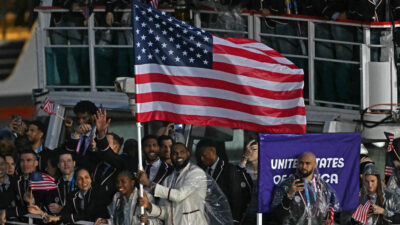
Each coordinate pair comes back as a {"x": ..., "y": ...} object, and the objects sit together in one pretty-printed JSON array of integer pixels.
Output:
[{"x": 363, "y": 150}]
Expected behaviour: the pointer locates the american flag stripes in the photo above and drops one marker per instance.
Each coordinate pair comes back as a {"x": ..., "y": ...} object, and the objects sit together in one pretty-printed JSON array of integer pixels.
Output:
[
  {"x": 42, "y": 182},
  {"x": 390, "y": 138},
  {"x": 48, "y": 106},
  {"x": 154, "y": 3},
  {"x": 389, "y": 170},
  {"x": 361, "y": 214},
  {"x": 186, "y": 75},
  {"x": 331, "y": 214}
]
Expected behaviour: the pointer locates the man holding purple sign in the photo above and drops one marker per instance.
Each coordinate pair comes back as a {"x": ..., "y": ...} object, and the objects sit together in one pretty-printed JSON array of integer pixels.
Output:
[{"x": 330, "y": 165}]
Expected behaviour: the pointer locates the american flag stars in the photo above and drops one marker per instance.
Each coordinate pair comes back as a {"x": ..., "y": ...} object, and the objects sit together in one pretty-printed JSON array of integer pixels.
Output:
[
  {"x": 163, "y": 39},
  {"x": 196, "y": 77}
]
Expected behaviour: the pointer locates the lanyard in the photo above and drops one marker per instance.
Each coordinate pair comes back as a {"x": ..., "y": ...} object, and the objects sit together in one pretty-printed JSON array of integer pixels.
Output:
[
  {"x": 78, "y": 147},
  {"x": 306, "y": 202},
  {"x": 39, "y": 149},
  {"x": 71, "y": 188},
  {"x": 87, "y": 141}
]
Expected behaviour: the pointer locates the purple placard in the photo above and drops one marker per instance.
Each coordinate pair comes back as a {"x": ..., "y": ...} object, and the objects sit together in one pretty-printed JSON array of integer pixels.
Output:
[{"x": 338, "y": 158}]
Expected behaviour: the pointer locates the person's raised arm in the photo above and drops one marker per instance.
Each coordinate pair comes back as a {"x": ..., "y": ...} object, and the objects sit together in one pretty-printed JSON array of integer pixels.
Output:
[{"x": 102, "y": 123}]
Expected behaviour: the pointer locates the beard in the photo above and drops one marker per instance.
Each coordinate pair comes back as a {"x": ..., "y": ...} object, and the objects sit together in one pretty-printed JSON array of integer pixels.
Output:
[
  {"x": 179, "y": 167},
  {"x": 305, "y": 174}
]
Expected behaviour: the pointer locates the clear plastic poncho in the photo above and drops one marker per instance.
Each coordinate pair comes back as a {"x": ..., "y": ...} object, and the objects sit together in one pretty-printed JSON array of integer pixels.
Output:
[
  {"x": 391, "y": 201},
  {"x": 130, "y": 208},
  {"x": 190, "y": 196},
  {"x": 217, "y": 207},
  {"x": 394, "y": 181},
  {"x": 303, "y": 210}
]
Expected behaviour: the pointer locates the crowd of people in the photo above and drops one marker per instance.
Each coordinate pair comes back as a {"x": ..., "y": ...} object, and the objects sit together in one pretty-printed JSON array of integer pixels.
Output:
[
  {"x": 96, "y": 171},
  {"x": 97, "y": 176},
  {"x": 96, "y": 179}
]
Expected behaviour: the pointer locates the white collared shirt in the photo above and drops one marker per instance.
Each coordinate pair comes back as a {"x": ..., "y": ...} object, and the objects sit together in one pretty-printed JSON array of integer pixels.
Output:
[
  {"x": 7, "y": 182},
  {"x": 129, "y": 203},
  {"x": 82, "y": 197},
  {"x": 69, "y": 179},
  {"x": 39, "y": 149},
  {"x": 154, "y": 168},
  {"x": 212, "y": 168}
]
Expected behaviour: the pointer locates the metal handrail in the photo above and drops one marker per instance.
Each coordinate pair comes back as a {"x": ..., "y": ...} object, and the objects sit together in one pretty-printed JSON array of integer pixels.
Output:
[
  {"x": 253, "y": 31},
  {"x": 284, "y": 36},
  {"x": 301, "y": 18}
]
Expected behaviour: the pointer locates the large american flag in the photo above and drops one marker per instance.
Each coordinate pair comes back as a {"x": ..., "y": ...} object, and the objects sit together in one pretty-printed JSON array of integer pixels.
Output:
[
  {"x": 154, "y": 3},
  {"x": 361, "y": 214},
  {"x": 41, "y": 182},
  {"x": 186, "y": 75}
]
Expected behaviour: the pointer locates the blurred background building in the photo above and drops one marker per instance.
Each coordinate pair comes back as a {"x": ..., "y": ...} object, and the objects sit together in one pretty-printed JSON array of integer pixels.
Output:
[{"x": 17, "y": 21}]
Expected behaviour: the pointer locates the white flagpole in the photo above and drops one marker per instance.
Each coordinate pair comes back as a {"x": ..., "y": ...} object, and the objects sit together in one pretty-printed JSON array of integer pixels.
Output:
[
  {"x": 140, "y": 165},
  {"x": 138, "y": 124},
  {"x": 259, "y": 218}
]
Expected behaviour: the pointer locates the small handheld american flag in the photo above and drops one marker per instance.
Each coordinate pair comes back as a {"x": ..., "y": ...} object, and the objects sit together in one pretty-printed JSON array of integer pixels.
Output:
[
  {"x": 42, "y": 182},
  {"x": 48, "y": 106},
  {"x": 390, "y": 138},
  {"x": 389, "y": 170},
  {"x": 361, "y": 214},
  {"x": 331, "y": 214}
]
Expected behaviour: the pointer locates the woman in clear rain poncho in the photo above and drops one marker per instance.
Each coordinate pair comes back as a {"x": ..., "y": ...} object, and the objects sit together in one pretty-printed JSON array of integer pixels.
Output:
[
  {"x": 385, "y": 203},
  {"x": 188, "y": 195},
  {"x": 124, "y": 209},
  {"x": 304, "y": 198},
  {"x": 393, "y": 184}
]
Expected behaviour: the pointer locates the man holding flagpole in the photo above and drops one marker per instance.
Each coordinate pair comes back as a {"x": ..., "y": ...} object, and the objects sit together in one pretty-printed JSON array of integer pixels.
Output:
[
  {"x": 185, "y": 189},
  {"x": 184, "y": 74},
  {"x": 304, "y": 198},
  {"x": 187, "y": 196}
]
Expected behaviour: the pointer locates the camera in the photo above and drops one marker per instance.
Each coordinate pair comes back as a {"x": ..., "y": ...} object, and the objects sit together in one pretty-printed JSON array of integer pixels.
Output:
[
  {"x": 17, "y": 118},
  {"x": 178, "y": 126}
]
